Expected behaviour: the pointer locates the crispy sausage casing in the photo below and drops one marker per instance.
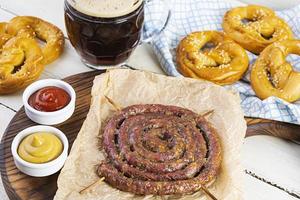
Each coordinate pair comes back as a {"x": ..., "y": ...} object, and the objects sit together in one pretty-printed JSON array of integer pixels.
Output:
[{"x": 161, "y": 150}]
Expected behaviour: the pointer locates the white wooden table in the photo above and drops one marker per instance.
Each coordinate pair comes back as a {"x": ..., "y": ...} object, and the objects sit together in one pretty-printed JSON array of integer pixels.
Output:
[{"x": 272, "y": 164}]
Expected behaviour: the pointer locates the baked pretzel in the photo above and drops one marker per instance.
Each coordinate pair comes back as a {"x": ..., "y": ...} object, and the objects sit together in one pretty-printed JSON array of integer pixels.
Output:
[
  {"x": 20, "y": 63},
  {"x": 255, "y": 27},
  {"x": 212, "y": 56},
  {"x": 44, "y": 31},
  {"x": 272, "y": 75},
  {"x": 4, "y": 36}
]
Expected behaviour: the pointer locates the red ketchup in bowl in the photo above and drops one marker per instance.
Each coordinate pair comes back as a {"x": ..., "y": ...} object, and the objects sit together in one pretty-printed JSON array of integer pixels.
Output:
[{"x": 49, "y": 99}]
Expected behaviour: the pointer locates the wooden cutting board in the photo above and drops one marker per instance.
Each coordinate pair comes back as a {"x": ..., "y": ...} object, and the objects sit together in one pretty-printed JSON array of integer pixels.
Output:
[{"x": 22, "y": 187}]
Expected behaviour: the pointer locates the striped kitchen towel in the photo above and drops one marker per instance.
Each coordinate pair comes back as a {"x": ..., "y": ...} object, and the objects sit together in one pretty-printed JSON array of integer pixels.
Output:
[{"x": 197, "y": 15}]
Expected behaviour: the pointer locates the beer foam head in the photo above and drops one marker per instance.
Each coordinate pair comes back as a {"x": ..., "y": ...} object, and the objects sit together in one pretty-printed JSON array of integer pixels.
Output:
[{"x": 105, "y": 8}]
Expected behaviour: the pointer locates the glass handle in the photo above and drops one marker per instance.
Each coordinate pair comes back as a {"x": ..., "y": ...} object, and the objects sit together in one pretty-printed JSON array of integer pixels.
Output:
[{"x": 166, "y": 13}]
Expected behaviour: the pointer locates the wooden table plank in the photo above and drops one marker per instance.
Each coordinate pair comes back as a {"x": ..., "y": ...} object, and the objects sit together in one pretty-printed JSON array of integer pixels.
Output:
[
  {"x": 275, "y": 4},
  {"x": 5, "y": 16},
  {"x": 144, "y": 58},
  {"x": 5, "y": 116},
  {"x": 276, "y": 160},
  {"x": 51, "y": 11},
  {"x": 69, "y": 63},
  {"x": 258, "y": 190}
]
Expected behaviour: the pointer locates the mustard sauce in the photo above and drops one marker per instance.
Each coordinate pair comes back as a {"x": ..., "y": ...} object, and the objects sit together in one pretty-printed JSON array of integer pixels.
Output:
[{"x": 40, "y": 147}]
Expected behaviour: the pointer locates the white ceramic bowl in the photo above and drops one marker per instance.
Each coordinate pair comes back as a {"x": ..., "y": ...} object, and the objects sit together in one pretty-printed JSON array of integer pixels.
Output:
[
  {"x": 44, "y": 169},
  {"x": 49, "y": 118}
]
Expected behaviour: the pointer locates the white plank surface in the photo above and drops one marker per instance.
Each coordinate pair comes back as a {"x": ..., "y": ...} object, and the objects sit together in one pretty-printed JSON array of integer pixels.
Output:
[
  {"x": 275, "y": 4},
  {"x": 5, "y": 116},
  {"x": 258, "y": 190},
  {"x": 275, "y": 160},
  {"x": 51, "y": 11},
  {"x": 69, "y": 62},
  {"x": 266, "y": 157}
]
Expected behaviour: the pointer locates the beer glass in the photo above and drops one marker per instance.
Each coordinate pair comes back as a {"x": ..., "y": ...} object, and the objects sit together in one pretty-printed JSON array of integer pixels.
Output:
[{"x": 105, "y": 38}]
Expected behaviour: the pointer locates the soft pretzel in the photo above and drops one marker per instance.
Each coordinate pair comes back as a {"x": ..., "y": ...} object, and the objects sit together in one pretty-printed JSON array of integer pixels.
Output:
[
  {"x": 255, "y": 27},
  {"x": 45, "y": 31},
  {"x": 4, "y": 36},
  {"x": 20, "y": 64},
  {"x": 272, "y": 75},
  {"x": 212, "y": 56}
]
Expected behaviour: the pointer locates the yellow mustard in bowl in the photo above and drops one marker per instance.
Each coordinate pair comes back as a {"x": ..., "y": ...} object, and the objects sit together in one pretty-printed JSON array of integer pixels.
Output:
[{"x": 40, "y": 147}]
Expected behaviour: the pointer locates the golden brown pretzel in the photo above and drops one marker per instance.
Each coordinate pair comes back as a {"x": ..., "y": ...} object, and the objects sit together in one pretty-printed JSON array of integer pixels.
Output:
[
  {"x": 4, "y": 36},
  {"x": 20, "y": 63},
  {"x": 45, "y": 31},
  {"x": 255, "y": 27},
  {"x": 272, "y": 75},
  {"x": 212, "y": 56}
]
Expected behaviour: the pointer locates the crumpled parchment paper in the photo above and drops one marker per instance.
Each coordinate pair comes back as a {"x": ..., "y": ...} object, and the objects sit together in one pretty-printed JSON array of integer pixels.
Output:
[{"x": 127, "y": 87}]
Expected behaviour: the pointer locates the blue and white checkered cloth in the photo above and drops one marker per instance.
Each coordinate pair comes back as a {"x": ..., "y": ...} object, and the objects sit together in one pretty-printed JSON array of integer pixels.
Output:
[{"x": 196, "y": 15}]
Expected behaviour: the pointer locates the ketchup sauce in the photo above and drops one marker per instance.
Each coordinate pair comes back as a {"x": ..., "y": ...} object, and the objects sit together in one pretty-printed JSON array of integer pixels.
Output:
[{"x": 49, "y": 99}]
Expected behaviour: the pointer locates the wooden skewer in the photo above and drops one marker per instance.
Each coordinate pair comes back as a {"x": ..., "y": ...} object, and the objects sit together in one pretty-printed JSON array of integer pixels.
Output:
[
  {"x": 92, "y": 185},
  {"x": 208, "y": 193},
  {"x": 115, "y": 105},
  {"x": 203, "y": 188},
  {"x": 207, "y": 113},
  {"x": 163, "y": 197}
]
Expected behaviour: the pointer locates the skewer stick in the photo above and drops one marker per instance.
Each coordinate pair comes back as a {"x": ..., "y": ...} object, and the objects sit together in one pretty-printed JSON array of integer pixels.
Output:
[
  {"x": 115, "y": 105},
  {"x": 92, "y": 185},
  {"x": 207, "y": 113},
  {"x": 208, "y": 193}
]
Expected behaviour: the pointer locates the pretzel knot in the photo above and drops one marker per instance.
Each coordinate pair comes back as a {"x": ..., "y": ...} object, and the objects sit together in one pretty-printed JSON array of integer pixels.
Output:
[
  {"x": 20, "y": 64},
  {"x": 212, "y": 56},
  {"x": 21, "y": 58},
  {"x": 272, "y": 75},
  {"x": 255, "y": 27},
  {"x": 4, "y": 36},
  {"x": 44, "y": 31}
]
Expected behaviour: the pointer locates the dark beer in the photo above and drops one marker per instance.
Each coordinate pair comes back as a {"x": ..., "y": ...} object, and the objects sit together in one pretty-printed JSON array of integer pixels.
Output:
[{"x": 102, "y": 41}]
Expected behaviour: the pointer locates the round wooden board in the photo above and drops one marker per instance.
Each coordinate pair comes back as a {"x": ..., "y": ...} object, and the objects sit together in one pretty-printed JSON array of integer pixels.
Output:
[{"x": 23, "y": 187}]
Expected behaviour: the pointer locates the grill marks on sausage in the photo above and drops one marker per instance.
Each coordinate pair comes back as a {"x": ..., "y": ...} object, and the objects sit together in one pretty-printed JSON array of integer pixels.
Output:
[{"x": 161, "y": 150}]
